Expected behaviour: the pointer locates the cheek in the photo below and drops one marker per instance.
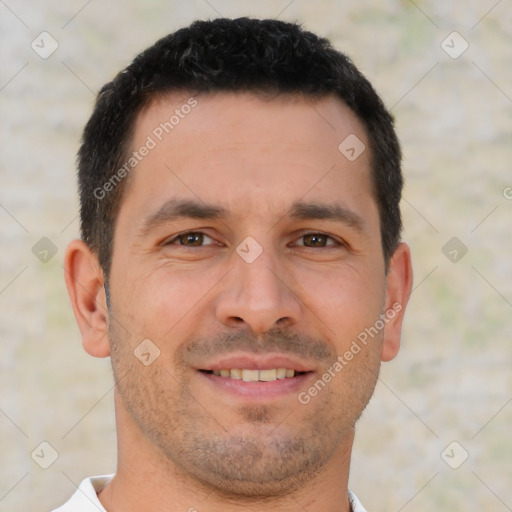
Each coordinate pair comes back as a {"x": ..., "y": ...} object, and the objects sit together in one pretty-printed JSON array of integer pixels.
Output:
[
  {"x": 346, "y": 299},
  {"x": 161, "y": 299}
]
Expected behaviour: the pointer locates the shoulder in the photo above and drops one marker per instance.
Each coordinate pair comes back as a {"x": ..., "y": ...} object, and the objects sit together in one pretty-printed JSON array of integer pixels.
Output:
[{"x": 85, "y": 498}]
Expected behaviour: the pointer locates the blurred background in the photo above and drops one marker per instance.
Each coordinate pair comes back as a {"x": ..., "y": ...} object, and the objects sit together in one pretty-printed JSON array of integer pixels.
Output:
[{"x": 437, "y": 434}]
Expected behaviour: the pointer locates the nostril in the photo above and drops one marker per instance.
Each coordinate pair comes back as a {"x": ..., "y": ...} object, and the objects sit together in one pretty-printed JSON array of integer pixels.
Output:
[{"x": 235, "y": 322}]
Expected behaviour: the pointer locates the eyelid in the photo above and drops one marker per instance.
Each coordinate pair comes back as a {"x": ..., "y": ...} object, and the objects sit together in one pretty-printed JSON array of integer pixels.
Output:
[
  {"x": 337, "y": 241},
  {"x": 171, "y": 240}
]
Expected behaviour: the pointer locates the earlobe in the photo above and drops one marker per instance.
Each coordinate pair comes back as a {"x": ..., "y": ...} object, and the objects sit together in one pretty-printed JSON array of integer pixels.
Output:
[
  {"x": 398, "y": 291},
  {"x": 85, "y": 283}
]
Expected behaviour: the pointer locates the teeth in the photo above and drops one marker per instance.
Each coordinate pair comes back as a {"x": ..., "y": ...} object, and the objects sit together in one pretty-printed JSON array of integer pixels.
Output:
[
  {"x": 268, "y": 375},
  {"x": 281, "y": 373},
  {"x": 256, "y": 375},
  {"x": 235, "y": 374},
  {"x": 250, "y": 375}
]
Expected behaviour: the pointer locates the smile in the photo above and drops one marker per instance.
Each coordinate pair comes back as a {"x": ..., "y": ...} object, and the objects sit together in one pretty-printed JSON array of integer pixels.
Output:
[{"x": 252, "y": 375}]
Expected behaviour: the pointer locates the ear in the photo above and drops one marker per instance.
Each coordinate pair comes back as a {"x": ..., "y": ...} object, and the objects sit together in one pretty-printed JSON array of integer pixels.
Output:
[
  {"x": 398, "y": 291},
  {"x": 85, "y": 284}
]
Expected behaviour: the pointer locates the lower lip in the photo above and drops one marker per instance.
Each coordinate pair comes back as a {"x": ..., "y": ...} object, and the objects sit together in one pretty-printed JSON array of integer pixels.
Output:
[{"x": 259, "y": 390}]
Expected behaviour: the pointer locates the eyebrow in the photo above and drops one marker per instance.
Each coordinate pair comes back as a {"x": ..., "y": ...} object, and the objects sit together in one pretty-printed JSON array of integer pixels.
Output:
[
  {"x": 322, "y": 211},
  {"x": 176, "y": 209}
]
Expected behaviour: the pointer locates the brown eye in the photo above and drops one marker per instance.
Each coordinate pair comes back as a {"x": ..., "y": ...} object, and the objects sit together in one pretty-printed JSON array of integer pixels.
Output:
[
  {"x": 191, "y": 239},
  {"x": 316, "y": 240}
]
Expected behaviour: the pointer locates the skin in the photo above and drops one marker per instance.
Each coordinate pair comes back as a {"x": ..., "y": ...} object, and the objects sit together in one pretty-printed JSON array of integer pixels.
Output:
[{"x": 185, "y": 441}]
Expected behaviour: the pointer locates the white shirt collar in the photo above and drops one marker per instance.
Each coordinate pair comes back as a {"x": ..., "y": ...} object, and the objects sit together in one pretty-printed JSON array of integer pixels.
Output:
[
  {"x": 85, "y": 498},
  {"x": 355, "y": 503}
]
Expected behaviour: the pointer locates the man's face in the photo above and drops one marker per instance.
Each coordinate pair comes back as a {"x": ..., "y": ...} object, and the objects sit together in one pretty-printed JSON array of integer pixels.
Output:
[{"x": 246, "y": 241}]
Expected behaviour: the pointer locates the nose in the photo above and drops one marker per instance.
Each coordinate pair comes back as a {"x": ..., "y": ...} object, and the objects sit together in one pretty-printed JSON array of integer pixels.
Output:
[{"x": 258, "y": 295}]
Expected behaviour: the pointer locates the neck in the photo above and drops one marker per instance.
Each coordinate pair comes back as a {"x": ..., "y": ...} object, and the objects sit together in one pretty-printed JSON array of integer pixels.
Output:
[{"x": 147, "y": 480}]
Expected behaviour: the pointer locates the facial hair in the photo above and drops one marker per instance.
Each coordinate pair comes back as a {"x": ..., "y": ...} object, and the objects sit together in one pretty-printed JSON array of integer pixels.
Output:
[{"x": 269, "y": 452}]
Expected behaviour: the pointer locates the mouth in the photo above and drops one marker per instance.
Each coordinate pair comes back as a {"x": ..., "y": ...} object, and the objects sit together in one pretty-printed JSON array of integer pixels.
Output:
[
  {"x": 251, "y": 375},
  {"x": 257, "y": 377}
]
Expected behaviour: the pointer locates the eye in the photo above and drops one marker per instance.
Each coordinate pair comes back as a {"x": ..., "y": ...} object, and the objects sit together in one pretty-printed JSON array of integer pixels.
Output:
[
  {"x": 191, "y": 239},
  {"x": 314, "y": 240}
]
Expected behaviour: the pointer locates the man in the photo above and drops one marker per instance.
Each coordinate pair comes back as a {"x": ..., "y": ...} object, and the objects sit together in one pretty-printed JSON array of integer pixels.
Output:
[{"x": 240, "y": 263}]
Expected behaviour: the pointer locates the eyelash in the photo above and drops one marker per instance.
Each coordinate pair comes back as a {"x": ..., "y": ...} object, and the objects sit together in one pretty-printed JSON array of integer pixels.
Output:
[{"x": 177, "y": 237}]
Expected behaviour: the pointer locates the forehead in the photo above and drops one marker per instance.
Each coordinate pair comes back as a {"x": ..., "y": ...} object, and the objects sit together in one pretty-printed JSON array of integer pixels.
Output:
[
  {"x": 230, "y": 117},
  {"x": 246, "y": 151}
]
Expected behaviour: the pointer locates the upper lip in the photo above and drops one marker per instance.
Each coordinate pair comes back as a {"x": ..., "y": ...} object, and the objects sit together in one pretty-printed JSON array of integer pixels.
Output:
[{"x": 257, "y": 362}]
